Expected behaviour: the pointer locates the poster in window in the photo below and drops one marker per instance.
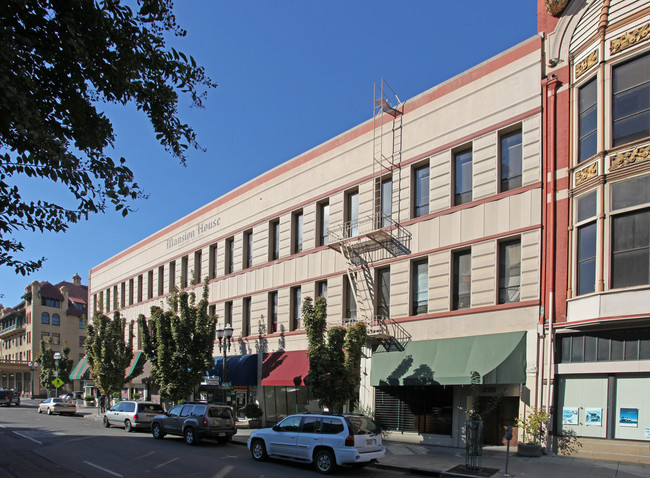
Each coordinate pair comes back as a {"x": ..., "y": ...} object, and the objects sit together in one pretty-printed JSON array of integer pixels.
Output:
[
  {"x": 629, "y": 417},
  {"x": 646, "y": 433},
  {"x": 594, "y": 417},
  {"x": 570, "y": 416}
]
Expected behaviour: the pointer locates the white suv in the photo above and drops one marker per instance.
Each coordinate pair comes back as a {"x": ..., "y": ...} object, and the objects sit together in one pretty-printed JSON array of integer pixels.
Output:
[{"x": 322, "y": 439}]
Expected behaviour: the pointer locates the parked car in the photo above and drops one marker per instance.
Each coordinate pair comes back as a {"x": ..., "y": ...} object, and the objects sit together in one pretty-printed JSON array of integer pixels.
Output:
[
  {"x": 57, "y": 405},
  {"x": 132, "y": 414},
  {"x": 9, "y": 397},
  {"x": 321, "y": 439},
  {"x": 194, "y": 421}
]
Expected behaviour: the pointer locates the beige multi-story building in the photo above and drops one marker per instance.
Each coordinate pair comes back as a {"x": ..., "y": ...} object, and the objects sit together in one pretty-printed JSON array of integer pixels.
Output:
[
  {"x": 424, "y": 222},
  {"x": 52, "y": 313}
]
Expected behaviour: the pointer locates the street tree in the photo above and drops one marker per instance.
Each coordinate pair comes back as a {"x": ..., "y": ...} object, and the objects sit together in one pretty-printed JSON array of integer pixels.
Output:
[
  {"x": 61, "y": 62},
  {"x": 45, "y": 359},
  {"x": 110, "y": 352},
  {"x": 179, "y": 343},
  {"x": 334, "y": 356}
]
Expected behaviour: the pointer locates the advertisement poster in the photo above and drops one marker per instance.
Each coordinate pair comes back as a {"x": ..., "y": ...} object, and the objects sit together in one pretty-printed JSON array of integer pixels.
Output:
[
  {"x": 570, "y": 416},
  {"x": 594, "y": 417},
  {"x": 646, "y": 433},
  {"x": 629, "y": 417}
]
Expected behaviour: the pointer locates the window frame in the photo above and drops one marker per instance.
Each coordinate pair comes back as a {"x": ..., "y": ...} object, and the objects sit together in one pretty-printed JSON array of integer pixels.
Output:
[
  {"x": 582, "y": 115},
  {"x": 416, "y": 304},
  {"x": 501, "y": 255},
  {"x": 456, "y": 277},
  {"x": 322, "y": 222},
  {"x": 506, "y": 160},
  {"x": 274, "y": 239},
  {"x": 459, "y": 160},
  {"x": 637, "y": 136},
  {"x": 247, "y": 315},
  {"x": 247, "y": 243},
  {"x": 421, "y": 202},
  {"x": 351, "y": 212},
  {"x": 296, "y": 305},
  {"x": 297, "y": 231},
  {"x": 273, "y": 306},
  {"x": 382, "y": 292},
  {"x": 229, "y": 262}
]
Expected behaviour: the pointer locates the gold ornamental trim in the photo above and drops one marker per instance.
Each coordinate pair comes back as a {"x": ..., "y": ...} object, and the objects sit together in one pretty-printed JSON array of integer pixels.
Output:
[
  {"x": 586, "y": 173},
  {"x": 629, "y": 39},
  {"x": 628, "y": 158},
  {"x": 587, "y": 63},
  {"x": 555, "y": 7}
]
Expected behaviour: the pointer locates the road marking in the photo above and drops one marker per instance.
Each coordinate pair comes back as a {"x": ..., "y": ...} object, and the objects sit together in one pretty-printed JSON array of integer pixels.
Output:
[
  {"x": 145, "y": 455},
  {"x": 29, "y": 438},
  {"x": 165, "y": 464},
  {"x": 102, "y": 468},
  {"x": 2, "y": 426}
]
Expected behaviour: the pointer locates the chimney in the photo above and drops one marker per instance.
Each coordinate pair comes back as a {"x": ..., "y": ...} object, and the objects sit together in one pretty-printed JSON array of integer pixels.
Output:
[{"x": 76, "y": 279}]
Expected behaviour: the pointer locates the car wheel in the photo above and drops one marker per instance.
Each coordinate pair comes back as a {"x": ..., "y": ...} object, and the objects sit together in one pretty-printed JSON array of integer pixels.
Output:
[
  {"x": 127, "y": 426},
  {"x": 49, "y": 411},
  {"x": 191, "y": 437},
  {"x": 18, "y": 403},
  {"x": 157, "y": 432},
  {"x": 258, "y": 450},
  {"x": 39, "y": 410},
  {"x": 107, "y": 424},
  {"x": 324, "y": 462}
]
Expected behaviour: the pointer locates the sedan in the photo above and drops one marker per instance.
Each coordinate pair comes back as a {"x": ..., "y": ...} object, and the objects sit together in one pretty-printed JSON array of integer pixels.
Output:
[{"x": 57, "y": 405}]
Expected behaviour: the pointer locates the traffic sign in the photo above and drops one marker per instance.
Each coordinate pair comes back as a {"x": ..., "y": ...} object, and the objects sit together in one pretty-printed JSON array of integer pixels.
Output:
[{"x": 57, "y": 382}]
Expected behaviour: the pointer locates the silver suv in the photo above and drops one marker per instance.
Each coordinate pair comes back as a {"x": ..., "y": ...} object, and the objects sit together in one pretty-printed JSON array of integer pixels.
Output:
[
  {"x": 196, "y": 420},
  {"x": 322, "y": 439},
  {"x": 132, "y": 414}
]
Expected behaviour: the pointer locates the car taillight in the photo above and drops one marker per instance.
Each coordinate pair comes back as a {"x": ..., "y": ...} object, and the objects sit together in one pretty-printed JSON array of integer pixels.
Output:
[
  {"x": 135, "y": 417},
  {"x": 349, "y": 441},
  {"x": 205, "y": 422}
]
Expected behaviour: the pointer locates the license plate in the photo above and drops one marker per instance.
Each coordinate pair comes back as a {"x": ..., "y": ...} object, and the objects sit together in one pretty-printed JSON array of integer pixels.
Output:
[
  {"x": 222, "y": 434},
  {"x": 370, "y": 442}
]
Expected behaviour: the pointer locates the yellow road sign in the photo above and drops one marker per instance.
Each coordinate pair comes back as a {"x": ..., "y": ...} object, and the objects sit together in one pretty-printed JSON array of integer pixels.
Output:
[{"x": 57, "y": 382}]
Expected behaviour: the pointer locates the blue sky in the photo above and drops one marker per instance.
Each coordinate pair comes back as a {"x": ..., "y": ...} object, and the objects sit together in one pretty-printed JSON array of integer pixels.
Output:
[{"x": 291, "y": 75}]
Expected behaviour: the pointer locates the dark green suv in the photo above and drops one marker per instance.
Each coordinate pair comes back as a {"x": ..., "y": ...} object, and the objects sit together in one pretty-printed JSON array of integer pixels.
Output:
[
  {"x": 9, "y": 397},
  {"x": 194, "y": 421}
]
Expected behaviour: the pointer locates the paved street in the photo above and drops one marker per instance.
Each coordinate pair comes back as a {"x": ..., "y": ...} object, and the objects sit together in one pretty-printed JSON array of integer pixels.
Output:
[{"x": 36, "y": 445}]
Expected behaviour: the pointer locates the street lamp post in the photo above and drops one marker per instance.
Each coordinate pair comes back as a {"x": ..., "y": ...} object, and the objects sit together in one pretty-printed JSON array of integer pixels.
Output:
[
  {"x": 57, "y": 357},
  {"x": 225, "y": 338},
  {"x": 32, "y": 368}
]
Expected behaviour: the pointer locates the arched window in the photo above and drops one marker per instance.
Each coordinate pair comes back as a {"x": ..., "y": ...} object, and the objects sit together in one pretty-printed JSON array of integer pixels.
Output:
[
  {"x": 45, "y": 318},
  {"x": 56, "y": 320}
]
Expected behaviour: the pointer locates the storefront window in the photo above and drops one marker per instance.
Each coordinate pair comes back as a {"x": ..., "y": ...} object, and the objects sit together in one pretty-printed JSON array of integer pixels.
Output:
[{"x": 423, "y": 409}]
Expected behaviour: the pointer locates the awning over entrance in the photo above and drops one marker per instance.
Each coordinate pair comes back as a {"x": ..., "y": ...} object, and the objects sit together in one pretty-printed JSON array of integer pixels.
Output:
[
  {"x": 240, "y": 369},
  {"x": 497, "y": 358},
  {"x": 81, "y": 371},
  {"x": 285, "y": 368},
  {"x": 138, "y": 357}
]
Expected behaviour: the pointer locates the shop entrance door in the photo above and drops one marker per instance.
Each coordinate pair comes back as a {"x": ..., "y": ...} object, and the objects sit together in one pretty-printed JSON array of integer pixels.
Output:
[
  {"x": 501, "y": 417},
  {"x": 241, "y": 403}
]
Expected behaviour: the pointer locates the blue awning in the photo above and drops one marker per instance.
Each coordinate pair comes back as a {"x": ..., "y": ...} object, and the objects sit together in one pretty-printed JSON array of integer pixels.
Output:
[{"x": 240, "y": 369}]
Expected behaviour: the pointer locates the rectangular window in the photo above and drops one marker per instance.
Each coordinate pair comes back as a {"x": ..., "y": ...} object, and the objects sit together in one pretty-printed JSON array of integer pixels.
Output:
[
  {"x": 274, "y": 240},
  {"x": 420, "y": 287},
  {"x": 123, "y": 294},
  {"x": 421, "y": 190},
  {"x": 212, "y": 310},
  {"x": 248, "y": 250},
  {"x": 56, "y": 319},
  {"x": 48, "y": 302},
  {"x": 586, "y": 248},
  {"x": 227, "y": 312},
  {"x": 150, "y": 284},
  {"x": 350, "y": 299},
  {"x": 462, "y": 177},
  {"x": 108, "y": 300},
  {"x": 131, "y": 291},
  {"x": 383, "y": 293},
  {"x": 185, "y": 265},
  {"x": 462, "y": 280},
  {"x": 114, "y": 297},
  {"x": 511, "y": 160},
  {"x": 56, "y": 339},
  {"x": 587, "y": 121},
  {"x": 384, "y": 202},
  {"x": 323, "y": 222},
  {"x": 95, "y": 302},
  {"x": 631, "y": 100},
  {"x": 352, "y": 214},
  {"x": 247, "y": 326},
  {"x": 296, "y": 232},
  {"x": 198, "y": 257},
  {"x": 172, "y": 275},
  {"x": 321, "y": 289},
  {"x": 45, "y": 336},
  {"x": 230, "y": 256},
  {"x": 140, "y": 285},
  {"x": 161, "y": 280},
  {"x": 45, "y": 318},
  {"x": 296, "y": 304},
  {"x": 273, "y": 312},
  {"x": 509, "y": 271},
  {"x": 213, "y": 262}
]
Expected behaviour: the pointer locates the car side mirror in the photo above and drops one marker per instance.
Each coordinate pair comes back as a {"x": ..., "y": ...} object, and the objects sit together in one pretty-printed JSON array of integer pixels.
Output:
[{"x": 276, "y": 428}]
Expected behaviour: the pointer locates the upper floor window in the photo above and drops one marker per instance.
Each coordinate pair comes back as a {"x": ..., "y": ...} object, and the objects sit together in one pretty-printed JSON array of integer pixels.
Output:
[
  {"x": 48, "y": 302},
  {"x": 227, "y": 312},
  {"x": 383, "y": 292},
  {"x": 198, "y": 258},
  {"x": 631, "y": 100},
  {"x": 115, "y": 297},
  {"x": 131, "y": 291},
  {"x": 82, "y": 325},
  {"x": 247, "y": 326},
  {"x": 462, "y": 177},
  {"x": 248, "y": 249},
  {"x": 140, "y": 287},
  {"x": 56, "y": 319},
  {"x": 296, "y": 232},
  {"x": 586, "y": 243},
  {"x": 323, "y": 222},
  {"x": 274, "y": 240},
  {"x": 587, "y": 121},
  {"x": 230, "y": 255},
  {"x": 384, "y": 202},
  {"x": 123, "y": 294},
  {"x": 350, "y": 299},
  {"x": 161, "y": 280},
  {"x": 421, "y": 190},
  {"x": 352, "y": 213},
  {"x": 273, "y": 312},
  {"x": 509, "y": 271},
  {"x": 630, "y": 264},
  {"x": 185, "y": 265},
  {"x": 511, "y": 160},
  {"x": 150, "y": 284},
  {"x": 321, "y": 289},
  {"x": 296, "y": 304},
  {"x": 420, "y": 287},
  {"x": 462, "y": 280},
  {"x": 172, "y": 275},
  {"x": 45, "y": 318},
  {"x": 212, "y": 266},
  {"x": 56, "y": 339}
]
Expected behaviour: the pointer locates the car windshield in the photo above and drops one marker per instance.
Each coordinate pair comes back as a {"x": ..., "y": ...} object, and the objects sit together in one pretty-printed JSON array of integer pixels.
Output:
[
  {"x": 361, "y": 425},
  {"x": 57, "y": 400}
]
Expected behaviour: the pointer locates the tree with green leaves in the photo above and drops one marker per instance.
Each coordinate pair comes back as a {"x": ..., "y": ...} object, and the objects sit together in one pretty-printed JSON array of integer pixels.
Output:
[
  {"x": 45, "y": 360},
  {"x": 179, "y": 343},
  {"x": 61, "y": 62},
  {"x": 110, "y": 352},
  {"x": 334, "y": 373}
]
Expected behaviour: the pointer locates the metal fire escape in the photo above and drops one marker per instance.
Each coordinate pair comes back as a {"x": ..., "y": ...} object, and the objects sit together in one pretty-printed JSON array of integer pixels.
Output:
[{"x": 364, "y": 240}]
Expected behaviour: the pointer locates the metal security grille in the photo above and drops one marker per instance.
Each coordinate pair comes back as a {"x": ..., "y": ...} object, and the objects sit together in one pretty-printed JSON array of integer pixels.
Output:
[
  {"x": 422, "y": 409},
  {"x": 392, "y": 413}
]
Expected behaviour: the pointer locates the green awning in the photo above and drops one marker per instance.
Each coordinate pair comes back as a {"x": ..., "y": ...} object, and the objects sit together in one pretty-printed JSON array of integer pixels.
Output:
[
  {"x": 497, "y": 358},
  {"x": 137, "y": 357},
  {"x": 81, "y": 371}
]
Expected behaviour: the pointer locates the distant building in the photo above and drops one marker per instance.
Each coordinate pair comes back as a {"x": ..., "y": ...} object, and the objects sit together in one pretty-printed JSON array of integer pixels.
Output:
[{"x": 53, "y": 313}]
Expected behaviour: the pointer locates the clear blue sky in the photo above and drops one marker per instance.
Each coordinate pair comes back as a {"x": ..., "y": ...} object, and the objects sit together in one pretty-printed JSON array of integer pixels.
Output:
[{"x": 291, "y": 75}]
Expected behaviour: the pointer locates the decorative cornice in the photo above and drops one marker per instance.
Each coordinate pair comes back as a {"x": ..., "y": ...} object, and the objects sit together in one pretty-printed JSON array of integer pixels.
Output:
[
  {"x": 586, "y": 173},
  {"x": 629, "y": 39},
  {"x": 627, "y": 158},
  {"x": 555, "y": 7},
  {"x": 587, "y": 63}
]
